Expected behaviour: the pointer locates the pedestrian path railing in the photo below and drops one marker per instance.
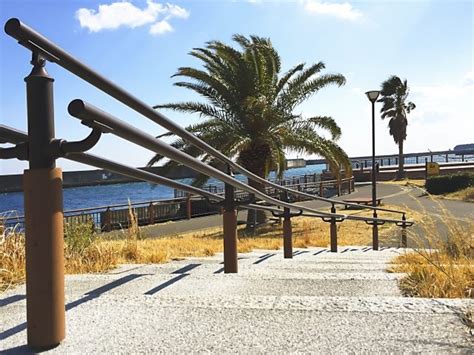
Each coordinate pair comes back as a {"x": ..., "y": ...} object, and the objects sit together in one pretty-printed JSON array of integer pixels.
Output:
[
  {"x": 43, "y": 181},
  {"x": 117, "y": 216}
]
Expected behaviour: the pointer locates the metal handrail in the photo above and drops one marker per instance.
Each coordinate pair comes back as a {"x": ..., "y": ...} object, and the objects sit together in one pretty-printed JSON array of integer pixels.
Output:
[
  {"x": 34, "y": 41},
  {"x": 16, "y": 136},
  {"x": 91, "y": 115}
]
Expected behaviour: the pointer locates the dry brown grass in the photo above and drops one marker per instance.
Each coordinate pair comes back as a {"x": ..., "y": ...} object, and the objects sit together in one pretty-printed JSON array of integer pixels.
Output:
[
  {"x": 443, "y": 262},
  {"x": 466, "y": 194},
  {"x": 87, "y": 252},
  {"x": 407, "y": 182},
  {"x": 12, "y": 257}
]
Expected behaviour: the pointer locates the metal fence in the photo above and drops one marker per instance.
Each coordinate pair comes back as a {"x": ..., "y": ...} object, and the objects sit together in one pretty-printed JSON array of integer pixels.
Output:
[{"x": 184, "y": 206}]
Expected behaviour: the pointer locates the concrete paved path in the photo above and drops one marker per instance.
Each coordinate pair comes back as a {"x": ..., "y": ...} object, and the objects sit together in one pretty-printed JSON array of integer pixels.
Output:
[
  {"x": 318, "y": 302},
  {"x": 402, "y": 196}
]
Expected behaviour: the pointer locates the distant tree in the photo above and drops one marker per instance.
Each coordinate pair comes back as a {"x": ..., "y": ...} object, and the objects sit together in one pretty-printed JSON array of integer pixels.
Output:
[
  {"x": 250, "y": 109},
  {"x": 394, "y": 96}
]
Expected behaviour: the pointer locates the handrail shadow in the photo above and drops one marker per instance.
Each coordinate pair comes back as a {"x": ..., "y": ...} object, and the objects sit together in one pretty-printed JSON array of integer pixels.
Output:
[{"x": 89, "y": 296}]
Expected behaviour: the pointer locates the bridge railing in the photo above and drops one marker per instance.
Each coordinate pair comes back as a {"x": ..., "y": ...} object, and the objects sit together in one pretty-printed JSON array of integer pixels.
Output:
[{"x": 43, "y": 181}]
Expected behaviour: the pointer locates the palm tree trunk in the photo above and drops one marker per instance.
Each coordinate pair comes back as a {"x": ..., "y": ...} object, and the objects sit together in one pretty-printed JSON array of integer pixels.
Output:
[
  {"x": 254, "y": 159},
  {"x": 255, "y": 217},
  {"x": 401, "y": 172}
]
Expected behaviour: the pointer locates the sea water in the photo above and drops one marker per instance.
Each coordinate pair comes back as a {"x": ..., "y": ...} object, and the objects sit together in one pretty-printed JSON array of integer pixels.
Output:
[{"x": 116, "y": 194}]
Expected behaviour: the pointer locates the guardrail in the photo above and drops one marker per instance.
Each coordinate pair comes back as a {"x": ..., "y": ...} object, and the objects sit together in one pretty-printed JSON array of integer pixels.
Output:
[{"x": 43, "y": 181}]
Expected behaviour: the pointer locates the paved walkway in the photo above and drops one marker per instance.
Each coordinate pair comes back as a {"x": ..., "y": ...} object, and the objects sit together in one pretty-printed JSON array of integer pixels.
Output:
[
  {"x": 318, "y": 302},
  {"x": 402, "y": 196}
]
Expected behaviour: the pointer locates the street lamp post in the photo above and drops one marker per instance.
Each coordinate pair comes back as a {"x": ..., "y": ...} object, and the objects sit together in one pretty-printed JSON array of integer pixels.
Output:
[{"x": 373, "y": 95}]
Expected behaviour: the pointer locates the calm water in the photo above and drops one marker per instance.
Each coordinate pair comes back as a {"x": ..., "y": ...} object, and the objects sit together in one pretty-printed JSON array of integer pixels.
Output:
[{"x": 104, "y": 195}]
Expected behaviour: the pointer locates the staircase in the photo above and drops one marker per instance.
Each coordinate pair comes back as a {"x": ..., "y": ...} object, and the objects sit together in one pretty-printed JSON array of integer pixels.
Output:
[{"x": 318, "y": 302}]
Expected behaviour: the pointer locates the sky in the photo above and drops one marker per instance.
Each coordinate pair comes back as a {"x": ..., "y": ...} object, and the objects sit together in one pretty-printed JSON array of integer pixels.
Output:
[{"x": 139, "y": 44}]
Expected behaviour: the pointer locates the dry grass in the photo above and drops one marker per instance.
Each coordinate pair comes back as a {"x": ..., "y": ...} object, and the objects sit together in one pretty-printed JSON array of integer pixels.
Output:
[
  {"x": 443, "y": 262},
  {"x": 466, "y": 194},
  {"x": 12, "y": 257},
  {"x": 407, "y": 182},
  {"x": 87, "y": 252}
]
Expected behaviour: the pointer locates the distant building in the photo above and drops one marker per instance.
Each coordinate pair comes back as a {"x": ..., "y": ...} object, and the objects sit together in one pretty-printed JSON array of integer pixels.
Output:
[{"x": 295, "y": 163}]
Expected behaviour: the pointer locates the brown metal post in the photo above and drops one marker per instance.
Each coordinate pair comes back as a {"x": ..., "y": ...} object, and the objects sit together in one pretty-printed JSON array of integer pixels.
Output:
[
  {"x": 151, "y": 213},
  {"x": 230, "y": 231},
  {"x": 333, "y": 231},
  {"x": 107, "y": 220},
  {"x": 321, "y": 189},
  {"x": 287, "y": 235},
  {"x": 189, "y": 211},
  {"x": 375, "y": 233},
  {"x": 404, "y": 233},
  {"x": 287, "y": 230},
  {"x": 45, "y": 307},
  {"x": 338, "y": 187},
  {"x": 230, "y": 242}
]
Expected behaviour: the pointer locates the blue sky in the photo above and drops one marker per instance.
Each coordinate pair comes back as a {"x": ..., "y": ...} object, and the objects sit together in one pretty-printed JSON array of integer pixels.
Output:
[{"x": 139, "y": 44}]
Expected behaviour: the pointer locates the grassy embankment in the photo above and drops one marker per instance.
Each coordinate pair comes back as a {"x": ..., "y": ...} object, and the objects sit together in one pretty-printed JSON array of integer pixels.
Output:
[
  {"x": 88, "y": 252},
  {"x": 466, "y": 194}
]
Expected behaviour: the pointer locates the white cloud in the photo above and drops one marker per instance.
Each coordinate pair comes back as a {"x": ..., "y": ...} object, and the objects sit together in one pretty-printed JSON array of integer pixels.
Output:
[
  {"x": 343, "y": 11},
  {"x": 125, "y": 14},
  {"x": 441, "y": 107},
  {"x": 160, "y": 27},
  {"x": 469, "y": 78}
]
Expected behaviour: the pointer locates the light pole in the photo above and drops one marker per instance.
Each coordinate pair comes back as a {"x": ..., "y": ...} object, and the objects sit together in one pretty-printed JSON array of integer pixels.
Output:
[{"x": 373, "y": 95}]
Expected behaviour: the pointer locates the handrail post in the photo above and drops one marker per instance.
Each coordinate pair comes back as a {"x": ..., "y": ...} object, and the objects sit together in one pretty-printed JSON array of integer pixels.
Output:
[
  {"x": 151, "y": 213},
  {"x": 42, "y": 186},
  {"x": 375, "y": 233},
  {"x": 107, "y": 223},
  {"x": 404, "y": 232},
  {"x": 189, "y": 211},
  {"x": 333, "y": 231},
  {"x": 287, "y": 230},
  {"x": 321, "y": 191},
  {"x": 230, "y": 230}
]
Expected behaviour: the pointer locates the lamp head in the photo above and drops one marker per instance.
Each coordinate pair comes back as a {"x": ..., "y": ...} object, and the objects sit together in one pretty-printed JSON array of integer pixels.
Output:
[{"x": 373, "y": 95}]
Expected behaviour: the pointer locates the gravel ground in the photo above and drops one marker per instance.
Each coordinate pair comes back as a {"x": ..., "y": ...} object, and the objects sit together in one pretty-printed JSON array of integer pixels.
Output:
[{"x": 319, "y": 302}]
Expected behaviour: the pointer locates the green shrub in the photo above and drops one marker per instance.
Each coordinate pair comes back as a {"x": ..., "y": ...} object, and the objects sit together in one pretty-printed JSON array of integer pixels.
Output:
[{"x": 437, "y": 185}]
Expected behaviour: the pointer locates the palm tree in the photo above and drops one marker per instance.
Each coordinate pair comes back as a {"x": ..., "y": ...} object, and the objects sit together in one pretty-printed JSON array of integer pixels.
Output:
[
  {"x": 395, "y": 106},
  {"x": 250, "y": 109}
]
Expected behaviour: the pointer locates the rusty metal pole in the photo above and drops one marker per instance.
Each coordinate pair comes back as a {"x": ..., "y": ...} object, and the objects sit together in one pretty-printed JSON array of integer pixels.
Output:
[
  {"x": 42, "y": 186},
  {"x": 230, "y": 231},
  {"x": 333, "y": 231}
]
